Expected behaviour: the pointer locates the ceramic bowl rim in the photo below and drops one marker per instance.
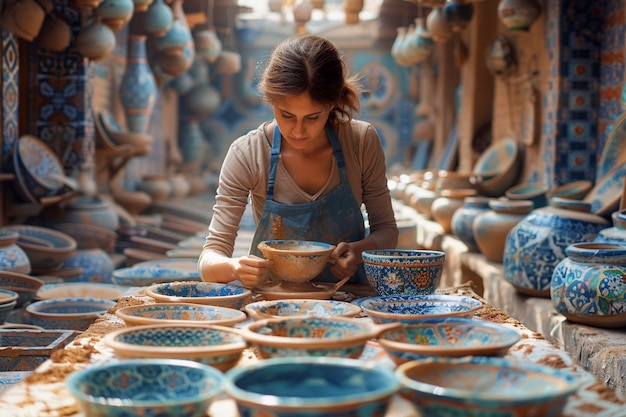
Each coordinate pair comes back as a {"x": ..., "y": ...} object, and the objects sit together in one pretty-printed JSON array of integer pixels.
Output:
[
  {"x": 352, "y": 310},
  {"x": 112, "y": 340},
  {"x": 273, "y": 401},
  {"x": 367, "y": 331},
  {"x": 33, "y": 308},
  {"x": 10, "y": 296},
  {"x": 510, "y": 337},
  {"x": 125, "y": 313},
  {"x": 573, "y": 382},
  {"x": 75, "y": 378},
  {"x": 472, "y": 304},
  {"x": 324, "y": 248},
  {"x": 153, "y": 289},
  {"x": 70, "y": 242},
  {"x": 22, "y": 278},
  {"x": 423, "y": 258}
]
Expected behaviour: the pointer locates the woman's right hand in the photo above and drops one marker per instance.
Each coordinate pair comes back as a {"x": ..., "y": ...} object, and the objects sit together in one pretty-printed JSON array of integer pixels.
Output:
[{"x": 252, "y": 270}]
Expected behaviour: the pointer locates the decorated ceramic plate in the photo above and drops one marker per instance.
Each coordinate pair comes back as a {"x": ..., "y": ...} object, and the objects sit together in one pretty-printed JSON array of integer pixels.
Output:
[
  {"x": 40, "y": 162},
  {"x": 614, "y": 151},
  {"x": 605, "y": 196}
]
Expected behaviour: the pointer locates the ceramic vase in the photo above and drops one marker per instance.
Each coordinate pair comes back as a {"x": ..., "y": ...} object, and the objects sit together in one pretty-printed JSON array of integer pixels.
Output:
[
  {"x": 138, "y": 87},
  {"x": 191, "y": 141},
  {"x": 158, "y": 19},
  {"x": 91, "y": 211},
  {"x": 463, "y": 220},
  {"x": 12, "y": 257},
  {"x": 588, "y": 286},
  {"x": 444, "y": 206},
  {"x": 518, "y": 15},
  {"x": 492, "y": 227},
  {"x": 616, "y": 234},
  {"x": 537, "y": 244}
]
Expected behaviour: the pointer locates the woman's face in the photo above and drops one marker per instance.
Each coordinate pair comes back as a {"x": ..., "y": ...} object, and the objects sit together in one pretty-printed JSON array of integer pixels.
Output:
[{"x": 302, "y": 121}]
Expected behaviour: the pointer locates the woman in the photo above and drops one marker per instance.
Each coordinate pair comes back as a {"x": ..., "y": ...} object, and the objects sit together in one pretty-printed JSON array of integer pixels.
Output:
[{"x": 306, "y": 172}]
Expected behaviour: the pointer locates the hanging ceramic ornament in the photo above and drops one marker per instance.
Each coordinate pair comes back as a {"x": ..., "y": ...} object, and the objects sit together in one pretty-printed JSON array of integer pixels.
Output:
[
  {"x": 518, "y": 15},
  {"x": 418, "y": 44},
  {"x": 437, "y": 25},
  {"x": 458, "y": 14},
  {"x": 158, "y": 18},
  {"x": 208, "y": 45},
  {"x": 396, "y": 52},
  {"x": 501, "y": 57},
  {"x": 115, "y": 13},
  {"x": 142, "y": 5},
  {"x": 138, "y": 87},
  {"x": 96, "y": 40}
]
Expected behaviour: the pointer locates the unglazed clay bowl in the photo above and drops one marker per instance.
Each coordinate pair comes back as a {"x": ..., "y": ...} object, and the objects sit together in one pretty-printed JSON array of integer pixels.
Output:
[
  {"x": 447, "y": 337},
  {"x": 309, "y": 386},
  {"x": 67, "y": 313},
  {"x": 217, "y": 346},
  {"x": 301, "y": 308},
  {"x": 481, "y": 386},
  {"x": 403, "y": 271},
  {"x": 311, "y": 336},
  {"x": 147, "y": 387},
  {"x": 296, "y": 261},
  {"x": 414, "y": 308},
  {"x": 209, "y": 293},
  {"x": 179, "y": 313}
]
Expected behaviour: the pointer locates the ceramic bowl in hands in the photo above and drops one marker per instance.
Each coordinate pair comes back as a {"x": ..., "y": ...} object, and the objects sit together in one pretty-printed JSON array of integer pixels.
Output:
[
  {"x": 447, "y": 337},
  {"x": 403, "y": 271},
  {"x": 310, "y": 336},
  {"x": 179, "y": 313},
  {"x": 329, "y": 387},
  {"x": 195, "y": 292},
  {"x": 217, "y": 346},
  {"x": 148, "y": 387},
  {"x": 67, "y": 313},
  {"x": 482, "y": 385},
  {"x": 414, "y": 308},
  {"x": 140, "y": 277},
  {"x": 301, "y": 308},
  {"x": 296, "y": 261}
]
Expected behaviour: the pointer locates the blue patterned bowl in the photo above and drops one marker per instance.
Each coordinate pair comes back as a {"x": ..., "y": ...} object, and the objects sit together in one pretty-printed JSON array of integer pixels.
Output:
[
  {"x": 24, "y": 285},
  {"x": 210, "y": 293},
  {"x": 301, "y": 308},
  {"x": 218, "y": 346},
  {"x": 147, "y": 387},
  {"x": 315, "y": 387},
  {"x": 414, "y": 308},
  {"x": 179, "y": 313},
  {"x": 296, "y": 261},
  {"x": 485, "y": 386},
  {"x": 8, "y": 300},
  {"x": 415, "y": 272},
  {"x": 46, "y": 248},
  {"x": 141, "y": 277},
  {"x": 67, "y": 313},
  {"x": 188, "y": 265},
  {"x": 310, "y": 336},
  {"x": 447, "y": 337}
]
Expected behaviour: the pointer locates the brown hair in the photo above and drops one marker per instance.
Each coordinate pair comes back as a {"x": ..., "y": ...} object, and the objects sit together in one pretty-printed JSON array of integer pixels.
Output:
[{"x": 311, "y": 64}]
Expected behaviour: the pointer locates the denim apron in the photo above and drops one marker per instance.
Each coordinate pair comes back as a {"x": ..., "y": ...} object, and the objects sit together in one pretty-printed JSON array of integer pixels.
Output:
[{"x": 334, "y": 217}]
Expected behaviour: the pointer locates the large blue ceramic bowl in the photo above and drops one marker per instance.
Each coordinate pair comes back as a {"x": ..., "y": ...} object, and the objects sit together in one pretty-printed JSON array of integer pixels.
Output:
[
  {"x": 67, "y": 313},
  {"x": 447, "y": 337},
  {"x": 393, "y": 272},
  {"x": 179, "y": 313},
  {"x": 485, "y": 386},
  {"x": 312, "y": 387},
  {"x": 211, "y": 293},
  {"x": 301, "y": 308},
  {"x": 141, "y": 277},
  {"x": 218, "y": 346},
  {"x": 310, "y": 336},
  {"x": 146, "y": 387},
  {"x": 414, "y": 308}
]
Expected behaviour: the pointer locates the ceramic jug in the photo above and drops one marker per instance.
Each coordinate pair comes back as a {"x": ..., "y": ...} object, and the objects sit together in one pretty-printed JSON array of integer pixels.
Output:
[
  {"x": 537, "y": 244},
  {"x": 588, "y": 286}
]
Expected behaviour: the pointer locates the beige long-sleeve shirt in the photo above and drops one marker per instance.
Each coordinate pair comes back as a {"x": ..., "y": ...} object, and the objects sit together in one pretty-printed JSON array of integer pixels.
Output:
[{"x": 245, "y": 172}]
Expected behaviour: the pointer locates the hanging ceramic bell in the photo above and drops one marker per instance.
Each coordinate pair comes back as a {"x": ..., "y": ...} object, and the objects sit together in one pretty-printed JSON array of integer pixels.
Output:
[
  {"x": 437, "y": 25},
  {"x": 202, "y": 100},
  {"x": 458, "y": 14},
  {"x": 55, "y": 35},
  {"x": 418, "y": 44},
  {"x": 96, "y": 40},
  {"x": 518, "y": 14},
  {"x": 115, "y": 13},
  {"x": 208, "y": 45},
  {"x": 158, "y": 18}
]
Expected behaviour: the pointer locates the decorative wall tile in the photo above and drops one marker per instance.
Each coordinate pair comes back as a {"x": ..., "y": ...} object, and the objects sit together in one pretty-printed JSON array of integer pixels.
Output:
[{"x": 10, "y": 91}]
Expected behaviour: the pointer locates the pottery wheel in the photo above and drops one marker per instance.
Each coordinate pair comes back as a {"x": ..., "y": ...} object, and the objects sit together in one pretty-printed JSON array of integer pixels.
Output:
[{"x": 312, "y": 290}]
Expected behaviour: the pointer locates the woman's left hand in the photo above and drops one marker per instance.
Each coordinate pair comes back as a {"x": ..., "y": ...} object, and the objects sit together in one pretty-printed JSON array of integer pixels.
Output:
[{"x": 344, "y": 260}]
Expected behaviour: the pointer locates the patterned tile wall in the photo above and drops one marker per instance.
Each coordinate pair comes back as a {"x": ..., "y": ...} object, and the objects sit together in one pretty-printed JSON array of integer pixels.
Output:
[{"x": 10, "y": 91}]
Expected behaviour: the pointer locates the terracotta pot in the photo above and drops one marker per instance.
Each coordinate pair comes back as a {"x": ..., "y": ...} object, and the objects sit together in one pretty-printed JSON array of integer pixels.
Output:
[
  {"x": 55, "y": 35},
  {"x": 443, "y": 207},
  {"x": 352, "y": 8},
  {"x": 24, "y": 18}
]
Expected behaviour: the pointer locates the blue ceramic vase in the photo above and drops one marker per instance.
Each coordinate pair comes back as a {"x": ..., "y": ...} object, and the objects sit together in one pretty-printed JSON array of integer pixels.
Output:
[
  {"x": 138, "y": 89},
  {"x": 588, "y": 286},
  {"x": 615, "y": 234},
  {"x": 537, "y": 244},
  {"x": 463, "y": 220}
]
